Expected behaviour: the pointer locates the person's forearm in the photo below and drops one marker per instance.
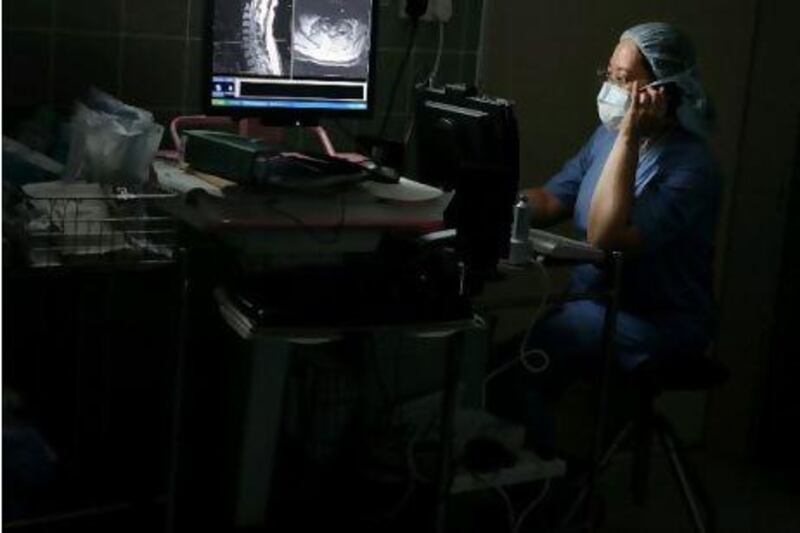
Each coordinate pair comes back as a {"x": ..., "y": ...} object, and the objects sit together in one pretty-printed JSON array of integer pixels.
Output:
[
  {"x": 546, "y": 209},
  {"x": 612, "y": 202}
]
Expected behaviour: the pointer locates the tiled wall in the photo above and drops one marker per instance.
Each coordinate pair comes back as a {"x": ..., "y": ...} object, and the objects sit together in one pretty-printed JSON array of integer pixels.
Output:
[{"x": 149, "y": 53}]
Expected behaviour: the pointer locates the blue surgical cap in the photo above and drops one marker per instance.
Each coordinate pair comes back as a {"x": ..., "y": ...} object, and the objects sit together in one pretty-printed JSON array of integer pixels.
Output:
[{"x": 671, "y": 56}]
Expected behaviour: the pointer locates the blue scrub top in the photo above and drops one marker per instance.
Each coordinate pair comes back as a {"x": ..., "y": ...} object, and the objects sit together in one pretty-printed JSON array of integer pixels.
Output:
[{"x": 677, "y": 196}]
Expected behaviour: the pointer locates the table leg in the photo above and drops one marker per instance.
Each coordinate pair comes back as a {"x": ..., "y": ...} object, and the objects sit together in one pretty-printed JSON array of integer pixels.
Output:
[
  {"x": 445, "y": 474},
  {"x": 261, "y": 429}
]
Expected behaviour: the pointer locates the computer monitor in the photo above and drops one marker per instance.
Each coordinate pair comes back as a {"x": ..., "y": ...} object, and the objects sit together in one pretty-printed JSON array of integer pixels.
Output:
[
  {"x": 290, "y": 61},
  {"x": 470, "y": 144}
]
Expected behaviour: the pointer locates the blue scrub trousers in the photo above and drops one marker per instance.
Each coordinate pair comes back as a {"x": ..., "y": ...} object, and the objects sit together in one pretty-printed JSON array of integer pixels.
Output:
[{"x": 572, "y": 336}]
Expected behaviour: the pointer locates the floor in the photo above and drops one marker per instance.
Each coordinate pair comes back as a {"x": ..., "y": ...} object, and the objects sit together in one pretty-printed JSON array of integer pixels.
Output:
[{"x": 748, "y": 499}]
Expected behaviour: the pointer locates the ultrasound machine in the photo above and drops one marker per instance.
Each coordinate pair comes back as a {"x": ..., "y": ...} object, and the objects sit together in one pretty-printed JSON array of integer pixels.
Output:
[
  {"x": 292, "y": 63},
  {"x": 295, "y": 62}
]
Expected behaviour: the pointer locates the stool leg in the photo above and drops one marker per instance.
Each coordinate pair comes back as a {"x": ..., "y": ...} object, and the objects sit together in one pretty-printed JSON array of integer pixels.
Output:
[
  {"x": 682, "y": 476},
  {"x": 618, "y": 441},
  {"x": 642, "y": 446}
]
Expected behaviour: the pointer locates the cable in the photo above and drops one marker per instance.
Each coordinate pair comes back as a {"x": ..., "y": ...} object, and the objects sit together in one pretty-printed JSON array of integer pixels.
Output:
[
  {"x": 534, "y": 368},
  {"x": 315, "y": 233},
  {"x": 400, "y": 70},
  {"x": 510, "y": 513},
  {"x": 525, "y": 355},
  {"x": 412, "y": 123},
  {"x": 514, "y": 523},
  {"x": 421, "y": 430},
  {"x": 531, "y": 506},
  {"x": 542, "y": 303},
  {"x": 431, "y": 79}
]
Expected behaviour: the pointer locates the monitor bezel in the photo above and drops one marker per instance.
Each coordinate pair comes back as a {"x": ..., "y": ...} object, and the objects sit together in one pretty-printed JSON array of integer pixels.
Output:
[{"x": 277, "y": 115}]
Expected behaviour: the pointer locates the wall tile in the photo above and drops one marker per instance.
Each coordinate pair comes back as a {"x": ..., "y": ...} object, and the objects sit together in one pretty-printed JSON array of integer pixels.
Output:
[
  {"x": 392, "y": 30},
  {"x": 194, "y": 91},
  {"x": 469, "y": 66},
  {"x": 457, "y": 25},
  {"x": 27, "y": 13},
  {"x": 196, "y": 18},
  {"x": 82, "y": 61},
  {"x": 152, "y": 72},
  {"x": 156, "y": 17},
  {"x": 388, "y": 63},
  {"x": 26, "y": 68},
  {"x": 92, "y": 15},
  {"x": 472, "y": 26},
  {"x": 449, "y": 67},
  {"x": 165, "y": 73}
]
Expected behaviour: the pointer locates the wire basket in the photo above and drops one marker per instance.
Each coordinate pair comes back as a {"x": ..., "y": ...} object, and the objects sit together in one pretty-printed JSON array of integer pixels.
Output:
[{"x": 73, "y": 224}]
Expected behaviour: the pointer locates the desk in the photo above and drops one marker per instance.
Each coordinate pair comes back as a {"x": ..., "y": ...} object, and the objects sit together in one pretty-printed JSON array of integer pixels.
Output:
[
  {"x": 293, "y": 227},
  {"x": 269, "y": 358},
  {"x": 276, "y": 222}
]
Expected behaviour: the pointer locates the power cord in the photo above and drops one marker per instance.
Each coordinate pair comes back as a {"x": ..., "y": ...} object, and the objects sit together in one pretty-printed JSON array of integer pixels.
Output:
[
  {"x": 511, "y": 514},
  {"x": 526, "y": 355},
  {"x": 523, "y": 353},
  {"x": 314, "y": 233},
  {"x": 515, "y": 522},
  {"x": 531, "y": 506},
  {"x": 430, "y": 81},
  {"x": 400, "y": 71}
]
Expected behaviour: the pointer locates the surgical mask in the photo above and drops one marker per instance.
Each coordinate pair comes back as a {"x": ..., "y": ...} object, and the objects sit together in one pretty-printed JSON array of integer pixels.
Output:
[{"x": 612, "y": 104}]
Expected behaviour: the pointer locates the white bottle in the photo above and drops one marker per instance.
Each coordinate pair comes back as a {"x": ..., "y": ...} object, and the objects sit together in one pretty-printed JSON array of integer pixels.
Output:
[{"x": 519, "y": 249}]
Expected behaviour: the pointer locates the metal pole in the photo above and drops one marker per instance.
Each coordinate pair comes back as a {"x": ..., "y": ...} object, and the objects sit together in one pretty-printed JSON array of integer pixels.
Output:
[
  {"x": 681, "y": 477},
  {"x": 173, "y": 481},
  {"x": 445, "y": 474},
  {"x": 609, "y": 354}
]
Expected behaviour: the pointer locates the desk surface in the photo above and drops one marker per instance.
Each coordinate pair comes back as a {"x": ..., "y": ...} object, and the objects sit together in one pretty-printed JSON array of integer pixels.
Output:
[{"x": 354, "y": 208}]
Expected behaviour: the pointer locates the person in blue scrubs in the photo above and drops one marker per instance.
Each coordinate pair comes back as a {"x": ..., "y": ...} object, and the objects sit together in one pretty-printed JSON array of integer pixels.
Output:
[{"x": 644, "y": 183}]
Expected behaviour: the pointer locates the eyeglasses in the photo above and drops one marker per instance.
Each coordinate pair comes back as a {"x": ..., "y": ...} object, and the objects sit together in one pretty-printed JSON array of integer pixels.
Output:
[{"x": 603, "y": 75}]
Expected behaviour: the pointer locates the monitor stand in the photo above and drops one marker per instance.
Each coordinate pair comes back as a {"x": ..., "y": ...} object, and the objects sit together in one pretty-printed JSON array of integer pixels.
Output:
[{"x": 250, "y": 127}]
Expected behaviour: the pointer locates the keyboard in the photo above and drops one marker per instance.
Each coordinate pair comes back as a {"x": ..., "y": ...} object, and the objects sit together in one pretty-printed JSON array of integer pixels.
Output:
[
  {"x": 303, "y": 172},
  {"x": 560, "y": 247}
]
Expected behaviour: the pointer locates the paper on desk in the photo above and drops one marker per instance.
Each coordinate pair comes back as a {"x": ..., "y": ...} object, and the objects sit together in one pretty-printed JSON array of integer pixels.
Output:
[
  {"x": 404, "y": 191},
  {"x": 173, "y": 178}
]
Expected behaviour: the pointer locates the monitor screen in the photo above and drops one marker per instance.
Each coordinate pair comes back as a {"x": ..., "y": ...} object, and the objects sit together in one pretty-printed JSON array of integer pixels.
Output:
[{"x": 290, "y": 58}]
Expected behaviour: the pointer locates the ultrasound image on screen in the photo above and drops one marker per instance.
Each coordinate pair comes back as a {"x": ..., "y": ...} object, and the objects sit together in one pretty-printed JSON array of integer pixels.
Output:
[
  {"x": 252, "y": 37},
  {"x": 292, "y": 38},
  {"x": 331, "y": 38}
]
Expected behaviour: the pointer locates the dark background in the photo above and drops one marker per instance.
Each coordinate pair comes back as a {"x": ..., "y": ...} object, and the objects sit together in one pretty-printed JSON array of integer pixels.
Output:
[
  {"x": 149, "y": 53},
  {"x": 544, "y": 56}
]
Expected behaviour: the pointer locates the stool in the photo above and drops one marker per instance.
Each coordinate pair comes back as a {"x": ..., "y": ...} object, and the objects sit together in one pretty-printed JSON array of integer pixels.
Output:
[{"x": 684, "y": 372}]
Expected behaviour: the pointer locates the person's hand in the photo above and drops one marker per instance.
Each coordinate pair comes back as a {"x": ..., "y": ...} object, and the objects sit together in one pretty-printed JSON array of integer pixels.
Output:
[{"x": 646, "y": 113}]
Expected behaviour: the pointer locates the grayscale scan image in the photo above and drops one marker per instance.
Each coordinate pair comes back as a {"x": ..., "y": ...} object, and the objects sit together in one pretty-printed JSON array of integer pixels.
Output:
[
  {"x": 252, "y": 37},
  {"x": 331, "y": 38}
]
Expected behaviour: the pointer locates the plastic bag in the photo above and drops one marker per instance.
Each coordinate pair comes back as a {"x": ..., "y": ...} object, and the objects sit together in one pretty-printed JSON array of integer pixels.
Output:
[{"x": 112, "y": 142}]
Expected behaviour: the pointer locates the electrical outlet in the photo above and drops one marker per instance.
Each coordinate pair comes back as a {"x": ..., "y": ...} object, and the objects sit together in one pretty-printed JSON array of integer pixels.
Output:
[{"x": 438, "y": 10}]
